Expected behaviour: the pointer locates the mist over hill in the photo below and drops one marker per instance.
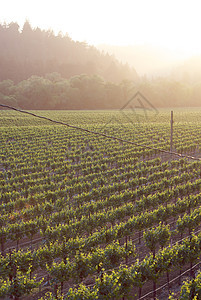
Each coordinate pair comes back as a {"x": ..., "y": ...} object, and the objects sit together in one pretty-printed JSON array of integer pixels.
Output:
[
  {"x": 32, "y": 51},
  {"x": 189, "y": 71},
  {"x": 147, "y": 60},
  {"x": 39, "y": 70}
]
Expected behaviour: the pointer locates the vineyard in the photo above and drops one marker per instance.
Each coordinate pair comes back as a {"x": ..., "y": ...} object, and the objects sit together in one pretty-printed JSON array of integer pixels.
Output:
[{"x": 83, "y": 216}]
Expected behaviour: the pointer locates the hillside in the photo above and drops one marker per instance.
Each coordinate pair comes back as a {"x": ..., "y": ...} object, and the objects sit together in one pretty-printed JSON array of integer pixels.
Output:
[
  {"x": 146, "y": 59},
  {"x": 189, "y": 71},
  {"x": 37, "y": 52}
]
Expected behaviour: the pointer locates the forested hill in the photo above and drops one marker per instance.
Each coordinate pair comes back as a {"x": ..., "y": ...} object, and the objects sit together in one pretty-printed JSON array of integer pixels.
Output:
[{"x": 29, "y": 51}]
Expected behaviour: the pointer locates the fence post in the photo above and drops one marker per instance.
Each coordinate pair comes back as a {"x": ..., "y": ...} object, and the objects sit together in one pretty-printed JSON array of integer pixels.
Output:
[{"x": 171, "y": 133}]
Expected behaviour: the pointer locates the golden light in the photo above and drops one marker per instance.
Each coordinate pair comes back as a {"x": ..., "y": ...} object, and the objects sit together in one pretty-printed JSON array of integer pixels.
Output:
[{"x": 171, "y": 24}]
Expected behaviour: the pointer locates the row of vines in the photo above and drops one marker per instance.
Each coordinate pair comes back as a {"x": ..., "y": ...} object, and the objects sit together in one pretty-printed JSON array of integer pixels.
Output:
[{"x": 84, "y": 217}]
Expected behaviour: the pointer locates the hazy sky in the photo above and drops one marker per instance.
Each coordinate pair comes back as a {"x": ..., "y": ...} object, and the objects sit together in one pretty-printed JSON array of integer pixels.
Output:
[{"x": 174, "y": 24}]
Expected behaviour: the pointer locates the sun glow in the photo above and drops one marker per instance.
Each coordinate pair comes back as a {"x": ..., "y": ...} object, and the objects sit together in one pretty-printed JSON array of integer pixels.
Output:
[{"x": 171, "y": 24}]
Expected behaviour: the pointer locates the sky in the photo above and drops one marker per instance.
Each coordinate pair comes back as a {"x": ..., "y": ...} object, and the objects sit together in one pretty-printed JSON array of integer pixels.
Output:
[{"x": 172, "y": 24}]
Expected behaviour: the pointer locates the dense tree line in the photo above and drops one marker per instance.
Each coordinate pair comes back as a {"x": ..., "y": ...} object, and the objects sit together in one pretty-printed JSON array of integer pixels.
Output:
[
  {"x": 93, "y": 92},
  {"x": 38, "y": 52},
  {"x": 55, "y": 92}
]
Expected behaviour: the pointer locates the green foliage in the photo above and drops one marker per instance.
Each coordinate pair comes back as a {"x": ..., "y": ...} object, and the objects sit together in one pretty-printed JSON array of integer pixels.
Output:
[
  {"x": 82, "y": 292},
  {"x": 76, "y": 199},
  {"x": 108, "y": 286},
  {"x": 20, "y": 286},
  {"x": 159, "y": 235},
  {"x": 61, "y": 272},
  {"x": 191, "y": 289}
]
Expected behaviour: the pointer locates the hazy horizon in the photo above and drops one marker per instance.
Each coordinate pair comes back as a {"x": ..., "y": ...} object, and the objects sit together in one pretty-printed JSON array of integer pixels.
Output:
[
  {"x": 129, "y": 22},
  {"x": 147, "y": 59},
  {"x": 153, "y": 36}
]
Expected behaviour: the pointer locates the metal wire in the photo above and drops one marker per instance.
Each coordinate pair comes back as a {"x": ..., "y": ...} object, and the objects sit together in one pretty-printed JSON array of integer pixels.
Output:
[{"x": 101, "y": 134}]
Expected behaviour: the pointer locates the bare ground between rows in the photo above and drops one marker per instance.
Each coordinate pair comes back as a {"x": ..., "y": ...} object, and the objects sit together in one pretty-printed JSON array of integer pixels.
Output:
[{"x": 141, "y": 252}]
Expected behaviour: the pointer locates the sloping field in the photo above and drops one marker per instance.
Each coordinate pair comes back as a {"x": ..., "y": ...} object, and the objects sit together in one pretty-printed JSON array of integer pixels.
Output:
[{"x": 88, "y": 217}]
